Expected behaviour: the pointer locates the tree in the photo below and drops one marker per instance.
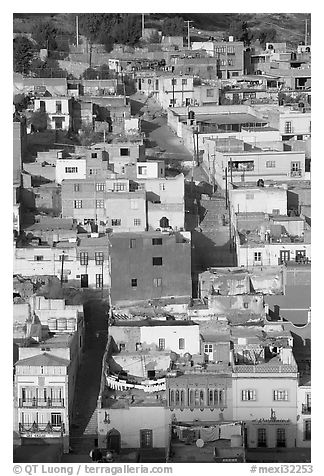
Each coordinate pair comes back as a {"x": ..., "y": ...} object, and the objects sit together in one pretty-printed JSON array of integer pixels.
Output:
[
  {"x": 241, "y": 32},
  {"x": 173, "y": 26},
  {"x": 267, "y": 35},
  {"x": 154, "y": 37},
  {"x": 90, "y": 73},
  {"x": 44, "y": 33},
  {"x": 39, "y": 121},
  {"x": 129, "y": 30},
  {"x": 21, "y": 102},
  {"x": 22, "y": 54}
]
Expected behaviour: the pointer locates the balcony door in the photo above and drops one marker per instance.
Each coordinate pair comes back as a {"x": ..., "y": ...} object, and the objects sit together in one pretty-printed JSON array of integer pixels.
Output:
[
  {"x": 146, "y": 438},
  {"x": 284, "y": 256}
]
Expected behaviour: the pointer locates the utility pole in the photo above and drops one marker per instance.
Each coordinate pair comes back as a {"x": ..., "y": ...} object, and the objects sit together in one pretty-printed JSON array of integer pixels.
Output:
[
  {"x": 77, "y": 29},
  {"x": 306, "y": 32},
  {"x": 188, "y": 26},
  {"x": 62, "y": 268},
  {"x": 143, "y": 24}
]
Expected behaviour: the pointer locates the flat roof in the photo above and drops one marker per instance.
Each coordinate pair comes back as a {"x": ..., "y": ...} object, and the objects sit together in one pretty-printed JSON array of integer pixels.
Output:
[
  {"x": 154, "y": 323},
  {"x": 231, "y": 118}
]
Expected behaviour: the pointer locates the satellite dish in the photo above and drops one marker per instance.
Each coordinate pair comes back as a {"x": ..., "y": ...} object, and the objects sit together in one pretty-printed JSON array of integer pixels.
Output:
[{"x": 200, "y": 443}]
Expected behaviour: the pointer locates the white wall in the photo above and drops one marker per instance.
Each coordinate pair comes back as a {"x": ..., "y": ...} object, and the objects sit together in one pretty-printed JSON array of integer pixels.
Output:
[
  {"x": 172, "y": 334},
  {"x": 79, "y": 164},
  {"x": 150, "y": 170},
  {"x": 301, "y": 399},
  {"x": 270, "y": 253},
  {"x": 259, "y": 200},
  {"x": 130, "y": 421}
]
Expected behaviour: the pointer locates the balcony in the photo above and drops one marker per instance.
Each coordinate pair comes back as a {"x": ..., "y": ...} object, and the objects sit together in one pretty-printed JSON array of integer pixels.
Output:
[
  {"x": 40, "y": 429},
  {"x": 41, "y": 402},
  {"x": 296, "y": 173},
  {"x": 306, "y": 409}
]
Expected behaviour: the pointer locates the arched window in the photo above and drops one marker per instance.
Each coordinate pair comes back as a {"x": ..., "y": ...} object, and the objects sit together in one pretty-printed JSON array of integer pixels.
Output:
[
  {"x": 164, "y": 222},
  {"x": 177, "y": 397}
]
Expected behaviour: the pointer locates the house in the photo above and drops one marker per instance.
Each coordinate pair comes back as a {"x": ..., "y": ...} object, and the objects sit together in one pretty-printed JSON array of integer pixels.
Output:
[
  {"x": 229, "y": 56},
  {"x": 49, "y": 355},
  {"x": 263, "y": 239},
  {"x": 268, "y": 199},
  {"x": 150, "y": 265},
  {"x": 126, "y": 211},
  {"x": 81, "y": 262},
  {"x": 59, "y": 110},
  {"x": 123, "y": 151},
  {"x": 264, "y": 385},
  {"x": 292, "y": 123}
]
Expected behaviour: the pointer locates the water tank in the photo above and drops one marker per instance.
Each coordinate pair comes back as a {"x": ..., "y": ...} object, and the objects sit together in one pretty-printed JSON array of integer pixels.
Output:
[
  {"x": 71, "y": 324},
  {"x": 61, "y": 324},
  {"x": 236, "y": 441},
  {"x": 51, "y": 321},
  {"x": 231, "y": 38}
]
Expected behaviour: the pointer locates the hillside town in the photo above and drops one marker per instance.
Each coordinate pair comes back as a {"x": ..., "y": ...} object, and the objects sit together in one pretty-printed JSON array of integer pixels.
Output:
[{"x": 161, "y": 242}]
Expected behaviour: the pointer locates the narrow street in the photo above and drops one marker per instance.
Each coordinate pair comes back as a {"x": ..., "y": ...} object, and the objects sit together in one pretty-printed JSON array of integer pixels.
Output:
[{"x": 84, "y": 425}]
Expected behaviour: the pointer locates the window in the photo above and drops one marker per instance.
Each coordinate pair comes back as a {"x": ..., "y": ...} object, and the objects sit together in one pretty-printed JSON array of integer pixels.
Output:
[
  {"x": 181, "y": 343},
  {"x": 76, "y": 187},
  {"x": 281, "y": 437},
  {"x": 161, "y": 344},
  {"x": 134, "y": 204},
  {"x": 132, "y": 243},
  {"x": 93, "y": 171},
  {"x": 77, "y": 203},
  {"x": 173, "y": 82},
  {"x": 257, "y": 256},
  {"x": 248, "y": 395},
  {"x": 156, "y": 241},
  {"x": 84, "y": 258},
  {"x": 119, "y": 187},
  {"x": 270, "y": 164},
  {"x": 288, "y": 128},
  {"x": 157, "y": 261},
  {"x": 280, "y": 395},
  {"x": 134, "y": 282},
  {"x": 100, "y": 187},
  {"x": 262, "y": 437},
  {"x": 184, "y": 82},
  {"x": 58, "y": 105},
  {"x": 100, "y": 204},
  {"x": 99, "y": 280},
  {"x": 157, "y": 282},
  {"x": 230, "y": 50},
  {"x": 246, "y": 305},
  {"x": 141, "y": 186},
  {"x": 208, "y": 348},
  {"x": 162, "y": 186},
  {"x": 42, "y": 106},
  {"x": 56, "y": 419},
  {"x": 216, "y": 397},
  {"x": 307, "y": 430},
  {"x": 63, "y": 257},
  {"x": 137, "y": 222},
  {"x": 210, "y": 93},
  {"x": 99, "y": 257},
  {"x": 230, "y": 62},
  {"x": 146, "y": 438},
  {"x": 295, "y": 166},
  {"x": 94, "y": 155},
  {"x": 115, "y": 222},
  {"x": 249, "y": 196},
  {"x": 71, "y": 170},
  {"x": 173, "y": 102},
  {"x": 124, "y": 151},
  {"x": 38, "y": 258},
  {"x": 122, "y": 347},
  {"x": 142, "y": 170},
  {"x": 275, "y": 211}
]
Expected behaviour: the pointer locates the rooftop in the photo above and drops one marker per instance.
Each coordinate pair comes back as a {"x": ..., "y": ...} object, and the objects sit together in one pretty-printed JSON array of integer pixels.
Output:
[{"x": 43, "y": 360}]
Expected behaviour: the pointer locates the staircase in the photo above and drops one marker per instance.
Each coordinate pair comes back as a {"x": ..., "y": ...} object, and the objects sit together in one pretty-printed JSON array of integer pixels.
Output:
[{"x": 212, "y": 244}]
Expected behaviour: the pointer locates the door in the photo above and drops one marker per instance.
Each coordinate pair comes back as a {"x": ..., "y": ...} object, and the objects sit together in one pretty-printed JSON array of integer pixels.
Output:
[
  {"x": 139, "y": 84},
  {"x": 208, "y": 351},
  {"x": 300, "y": 256},
  {"x": 146, "y": 437},
  {"x": 284, "y": 256},
  {"x": 113, "y": 441},
  {"x": 262, "y": 438},
  {"x": 84, "y": 280},
  {"x": 281, "y": 437}
]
